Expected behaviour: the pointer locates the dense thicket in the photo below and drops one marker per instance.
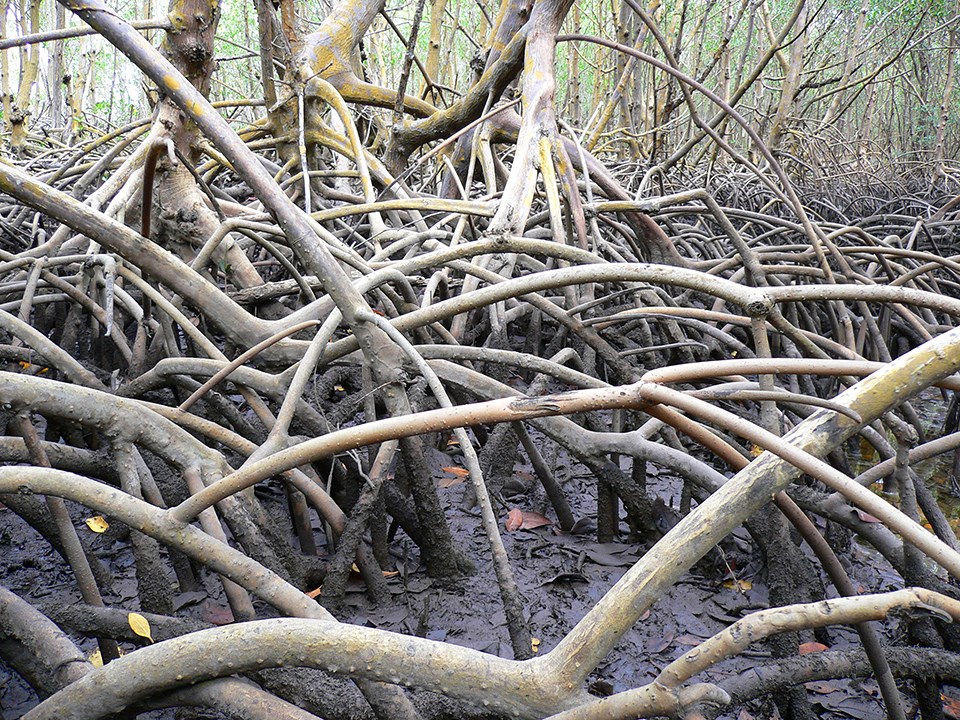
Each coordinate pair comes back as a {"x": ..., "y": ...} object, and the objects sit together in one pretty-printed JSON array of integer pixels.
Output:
[{"x": 299, "y": 299}]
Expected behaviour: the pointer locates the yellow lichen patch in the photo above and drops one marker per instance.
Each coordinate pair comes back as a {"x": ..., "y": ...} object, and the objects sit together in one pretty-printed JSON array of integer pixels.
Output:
[
  {"x": 195, "y": 108},
  {"x": 171, "y": 83}
]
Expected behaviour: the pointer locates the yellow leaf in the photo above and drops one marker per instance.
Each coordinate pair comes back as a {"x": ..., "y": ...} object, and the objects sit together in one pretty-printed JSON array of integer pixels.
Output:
[
  {"x": 741, "y": 585},
  {"x": 756, "y": 450},
  {"x": 139, "y": 624},
  {"x": 96, "y": 659},
  {"x": 535, "y": 644},
  {"x": 98, "y": 524}
]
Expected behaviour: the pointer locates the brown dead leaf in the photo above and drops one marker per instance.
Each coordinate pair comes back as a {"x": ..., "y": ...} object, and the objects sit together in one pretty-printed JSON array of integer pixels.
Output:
[
  {"x": 533, "y": 520},
  {"x": 951, "y": 707},
  {"x": 525, "y": 520},
  {"x": 454, "y": 476},
  {"x": 315, "y": 593},
  {"x": 658, "y": 645},
  {"x": 811, "y": 647},
  {"x": 216, "y": 614},
  {"x": 866, "y": 517}
]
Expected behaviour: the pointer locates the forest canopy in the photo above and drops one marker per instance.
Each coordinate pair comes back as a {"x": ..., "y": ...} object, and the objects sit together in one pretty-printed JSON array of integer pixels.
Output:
[{"x": 541, "y": 358}]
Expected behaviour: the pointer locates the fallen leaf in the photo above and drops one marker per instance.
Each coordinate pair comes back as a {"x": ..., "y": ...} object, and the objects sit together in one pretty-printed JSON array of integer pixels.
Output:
[
  {"x": 454, "y": 475},
  {"x": 741, "y": 585},
  {"x": 658, "y": 645},
  {"x": 566, "y": 577},
  {"x": 821, "y": 688},
  {"x": 866, "y": 517},
  {"x": 951, "y": 707},
  {"x": 140, "y": 625},
  {"x": 533, "y": 520},
  {"x": 609, "y": 559},
  {"x": 97, "y": 524},
  {"x": 756, "y": 450},
  {"x": 315, "y": 592},
  {"x": 37, "y": 369},
  {"x": 188, "y": 598},
  {"x": 811, "y": 647},
  {"x": 514, "y": 520},
  {"x": 216, "y": 614},
  {"x": 96, "y": 659},
  {"x": 535, "y": 644},
  {"x": 583, "y": 526}
]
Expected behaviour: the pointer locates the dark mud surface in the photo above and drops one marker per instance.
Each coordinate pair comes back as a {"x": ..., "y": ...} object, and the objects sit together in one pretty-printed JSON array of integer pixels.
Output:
[{"x": 561, "y": 576}]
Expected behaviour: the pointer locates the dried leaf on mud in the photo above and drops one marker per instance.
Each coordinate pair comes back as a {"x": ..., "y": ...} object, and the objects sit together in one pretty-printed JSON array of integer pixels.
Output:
[
  {"x": 951, "y": 707},
  {"x": 453, "y": 476},
  {"x": 97, "y": 524},
  {"x": 514, "y": 520},
  {"x": 525, "y": 520},
  {"x": 140, "y": 625}
]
